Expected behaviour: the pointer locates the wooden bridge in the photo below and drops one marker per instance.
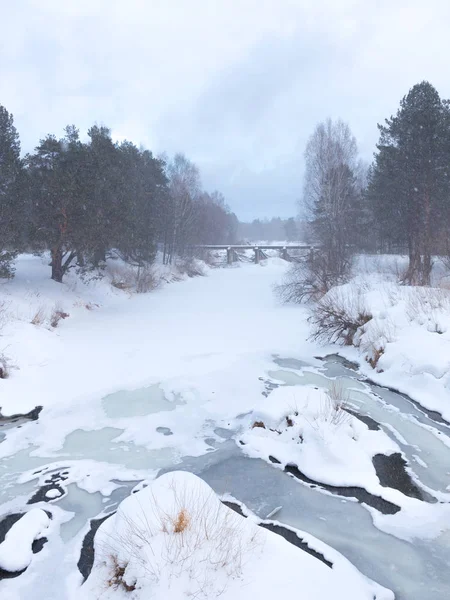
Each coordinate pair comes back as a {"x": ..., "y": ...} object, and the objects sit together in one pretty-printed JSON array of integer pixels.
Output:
[{"x": 233, "y": 256}]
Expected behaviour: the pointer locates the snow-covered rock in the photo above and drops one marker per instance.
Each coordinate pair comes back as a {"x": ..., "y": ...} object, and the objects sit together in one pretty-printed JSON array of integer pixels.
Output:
[
  {"x": 15, "y": 551},
  {"x": 175, "y": 539},
  {"x": 306, "y": 427}
]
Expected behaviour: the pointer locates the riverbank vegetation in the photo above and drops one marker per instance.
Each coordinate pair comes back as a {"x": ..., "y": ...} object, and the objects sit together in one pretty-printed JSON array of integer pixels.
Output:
[{"x": 84, "y": 198}]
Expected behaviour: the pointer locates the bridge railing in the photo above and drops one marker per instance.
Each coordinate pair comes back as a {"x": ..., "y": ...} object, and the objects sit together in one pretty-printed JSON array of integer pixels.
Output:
[{"x": 258, "y": 249}]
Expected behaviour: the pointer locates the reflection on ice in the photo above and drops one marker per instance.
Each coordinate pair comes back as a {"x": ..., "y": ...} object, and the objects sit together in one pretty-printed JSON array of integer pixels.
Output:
[
  {"x": 137, "y": 403},
  {"x": 312, "y": 378},
  {"x": 100, "y": 445},
  {"x": 86, "y": 506}
]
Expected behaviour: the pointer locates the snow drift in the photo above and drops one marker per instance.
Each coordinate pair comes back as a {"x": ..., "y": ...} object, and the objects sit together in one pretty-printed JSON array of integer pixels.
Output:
[
  {"x": 404, "y": 336},
  {"x": 176, "y": 539}
]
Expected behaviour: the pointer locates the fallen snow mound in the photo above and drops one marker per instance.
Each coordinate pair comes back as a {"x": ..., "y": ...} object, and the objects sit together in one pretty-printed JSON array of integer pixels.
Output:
[
  {"x": 310, "y": 428},
  {"x": 175, "y": 539},
  {"x": 16, "y": 549}
]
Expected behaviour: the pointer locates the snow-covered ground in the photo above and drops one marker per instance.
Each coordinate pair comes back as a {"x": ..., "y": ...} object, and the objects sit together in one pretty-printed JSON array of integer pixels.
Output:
[
  {"x": 135, "y": 384},
  {"x": 308, "y": 428},
  {"x": 116, "y": 340},
  {"x": 176, "y": 539},
  {"x": 407, "y": 338}
]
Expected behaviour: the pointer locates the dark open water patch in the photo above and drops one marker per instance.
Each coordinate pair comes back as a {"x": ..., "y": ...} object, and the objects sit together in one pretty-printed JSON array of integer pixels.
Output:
[
  {"x": 87, "y": 554},
  {"x": 269, "y": 386},
  {"x": 337, "y": 358},
  {"x": 290, "y": 363},
  {"x": 19, "y": 418},
  {"x": 53, "y": 483},
  {"x": 392, "y": 473},
  {"x": 363, "y": 496},
  {"x": 5, "y": 525},
  {"x": 371, "y": 423}
]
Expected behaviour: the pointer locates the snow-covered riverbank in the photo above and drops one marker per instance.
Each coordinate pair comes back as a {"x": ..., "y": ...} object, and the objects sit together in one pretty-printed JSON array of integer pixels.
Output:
[
  {"x": 114, "y": 340},
  {"x": 144, "y": 384},
  {"x": 403, "y": 336}
]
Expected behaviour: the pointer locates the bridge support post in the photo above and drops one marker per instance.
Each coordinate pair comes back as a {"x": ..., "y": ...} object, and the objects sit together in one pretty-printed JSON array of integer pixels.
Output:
[
  {"x": 284, "y": 254},
  {"x": 257, "y": 255},
  {"x": 229, "y": 256}
]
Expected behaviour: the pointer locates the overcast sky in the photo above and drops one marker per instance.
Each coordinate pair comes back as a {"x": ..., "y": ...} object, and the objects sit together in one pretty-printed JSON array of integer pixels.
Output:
[{"x": 237, "y": 85}]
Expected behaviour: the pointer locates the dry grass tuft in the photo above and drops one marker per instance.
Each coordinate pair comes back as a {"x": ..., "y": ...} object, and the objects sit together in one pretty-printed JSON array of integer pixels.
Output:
[
  {"x": 57, "y": 314},
  {"x": 333, "y": 410},
  {"x": 258, "y": 424},
  {"x": 117, "y": 577},
  {"x": 4, "y": 317},
  {"x": 4, "y": 367},
  {"x": 376, "y": 354},
  {"x": 199, "y": 539},
  {"x": 181, "y": 521},
  {"x": 91, "y": 306},
  {"x": 39, "y": 316}
]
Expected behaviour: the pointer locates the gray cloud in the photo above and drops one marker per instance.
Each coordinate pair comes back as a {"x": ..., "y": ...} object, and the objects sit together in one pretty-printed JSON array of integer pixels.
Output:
[{"x": 238, "y": 85}]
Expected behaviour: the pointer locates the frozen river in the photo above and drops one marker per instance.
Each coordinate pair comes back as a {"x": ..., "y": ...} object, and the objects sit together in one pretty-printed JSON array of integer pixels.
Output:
[{"x": 95, "y": 469}]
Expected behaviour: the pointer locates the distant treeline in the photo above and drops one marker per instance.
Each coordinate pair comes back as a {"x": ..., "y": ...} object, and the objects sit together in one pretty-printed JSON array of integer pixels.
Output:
[
  {"x": 275, "y": 229},
  {"x": 83, "y": 201}
]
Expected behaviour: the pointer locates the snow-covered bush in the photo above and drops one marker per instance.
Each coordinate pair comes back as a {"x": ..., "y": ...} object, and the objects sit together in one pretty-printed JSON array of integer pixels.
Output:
[
  {"x": 122, "y": 276},
  {"x": 146, "y": 280},
  {"x": 189, "y": 266},
  {"x": 310, "y": 278},
  {"x": 402, "y": 332},
  {"x": 311, "y": 429},
  {"x": 175, "y": 532},
  {"x": 140, "y": 279},
  {"x": 338, "y": 315},
  {"x": 175, "y": 539}
]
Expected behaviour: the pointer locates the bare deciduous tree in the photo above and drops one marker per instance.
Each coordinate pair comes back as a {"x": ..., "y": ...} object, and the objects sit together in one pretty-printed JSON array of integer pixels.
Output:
[
  {"x": 332, "y": 201},
  {"x": 184, "y": 186}
]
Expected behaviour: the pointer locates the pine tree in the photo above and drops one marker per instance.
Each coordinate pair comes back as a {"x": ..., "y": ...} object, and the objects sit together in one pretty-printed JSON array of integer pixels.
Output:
[
  {"x": 11, "y": 210},
  {"x": 143, "y": 202},
  {"x": 60, "y": 200},
  {"x": 106, "y": 182},
  {"x": 409, "y": 184}
]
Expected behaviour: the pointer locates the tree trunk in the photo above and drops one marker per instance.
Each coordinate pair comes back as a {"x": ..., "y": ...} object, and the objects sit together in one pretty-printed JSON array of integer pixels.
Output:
[
  {"x": 99, "y": 256},
  {"x": 57, "y": 266},
  {"x": 427, "y": 242},
  {"x": 427, "y": 266},
  {"x": 414, "y": 272}
]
